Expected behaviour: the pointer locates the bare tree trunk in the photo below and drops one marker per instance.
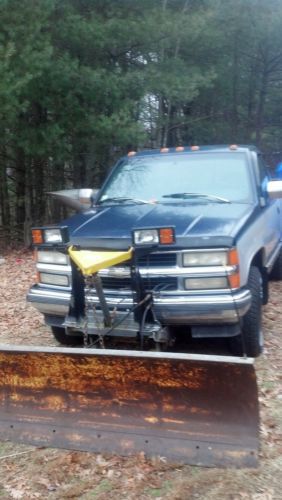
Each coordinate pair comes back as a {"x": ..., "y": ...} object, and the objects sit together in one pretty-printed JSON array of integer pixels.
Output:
[
  {"x": 252, "y": 90},
  {"x": 261, "y": 105},
  {"x": 40, "y": 166},
  {"x": 234, "y": 124},
  {"x": 4, "y": 198},
  {"x": 169, "y": 110},
  {"x": 20, "y": 188},
  {"x": 79, "y": 173}
]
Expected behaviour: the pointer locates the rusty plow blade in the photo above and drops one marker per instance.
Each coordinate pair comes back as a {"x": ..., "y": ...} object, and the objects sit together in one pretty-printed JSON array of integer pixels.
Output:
[{"x": 194, "y": 409}]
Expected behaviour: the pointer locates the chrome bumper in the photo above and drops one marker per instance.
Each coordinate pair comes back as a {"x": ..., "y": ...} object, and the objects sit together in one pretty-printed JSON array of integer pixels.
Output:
[
  {"x": 170, "y": 309},
  {"x": 48, "y": 301}
]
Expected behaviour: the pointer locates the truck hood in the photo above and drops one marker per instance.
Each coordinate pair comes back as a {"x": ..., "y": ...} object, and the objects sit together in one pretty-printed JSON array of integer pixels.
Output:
[{"x": 196, "y": 225}]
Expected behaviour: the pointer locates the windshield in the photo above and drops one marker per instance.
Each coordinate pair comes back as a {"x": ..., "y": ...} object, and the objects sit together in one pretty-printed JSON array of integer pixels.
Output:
[{"x": 214, "y": 177}]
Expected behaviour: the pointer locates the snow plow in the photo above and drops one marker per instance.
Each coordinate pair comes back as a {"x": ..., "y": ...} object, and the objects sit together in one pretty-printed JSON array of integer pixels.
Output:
[
  {"x": 193, "y": 409},
  {"x": 197, "y": 409}
]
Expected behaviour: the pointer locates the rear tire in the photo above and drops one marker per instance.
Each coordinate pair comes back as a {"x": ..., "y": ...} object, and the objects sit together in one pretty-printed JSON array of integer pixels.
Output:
[
  {"x": 251, "y": 339},
  {"x": 60, "y": 335},
  {"x": 276, "y": 273}
]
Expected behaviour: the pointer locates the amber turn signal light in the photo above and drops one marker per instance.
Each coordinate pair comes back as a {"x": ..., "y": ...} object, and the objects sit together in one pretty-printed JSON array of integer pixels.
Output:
[
  {"x": 234, "y": 280},
  {"x": 166, "y": 236},
  {"x": 233, "y": 258},
  {"x": 37, "y": 236}
]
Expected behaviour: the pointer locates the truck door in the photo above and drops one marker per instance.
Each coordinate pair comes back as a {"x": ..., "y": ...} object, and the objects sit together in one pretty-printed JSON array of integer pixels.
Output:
[{"x": 272, "y": 212}]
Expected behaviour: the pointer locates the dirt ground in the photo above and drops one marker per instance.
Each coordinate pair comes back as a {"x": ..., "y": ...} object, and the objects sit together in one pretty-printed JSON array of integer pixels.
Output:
[{"x": 28, "y": 472}]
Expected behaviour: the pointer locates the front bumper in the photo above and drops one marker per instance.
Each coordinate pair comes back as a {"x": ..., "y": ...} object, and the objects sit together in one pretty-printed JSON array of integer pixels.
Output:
[{"x": 173, "y": 309}]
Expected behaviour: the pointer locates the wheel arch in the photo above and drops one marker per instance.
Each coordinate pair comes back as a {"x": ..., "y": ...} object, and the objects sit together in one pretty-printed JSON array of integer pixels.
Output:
[{"x": 258, "y": 261}]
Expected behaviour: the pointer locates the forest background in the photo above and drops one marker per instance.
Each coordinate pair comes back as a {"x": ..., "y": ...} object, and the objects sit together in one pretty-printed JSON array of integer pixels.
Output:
[{"x": 84, "y": 81}]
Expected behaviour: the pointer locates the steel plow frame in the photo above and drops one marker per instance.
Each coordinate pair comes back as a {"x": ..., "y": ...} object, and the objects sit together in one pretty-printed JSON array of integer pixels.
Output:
[{"x": 189, "y": 408}]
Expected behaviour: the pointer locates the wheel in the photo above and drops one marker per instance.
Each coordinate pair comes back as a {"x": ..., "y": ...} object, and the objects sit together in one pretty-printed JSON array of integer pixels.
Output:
[
  {"x": 251, "y": 338},
  {"x": 276, "y": 273},
  {"x": 61, "y": 336}
]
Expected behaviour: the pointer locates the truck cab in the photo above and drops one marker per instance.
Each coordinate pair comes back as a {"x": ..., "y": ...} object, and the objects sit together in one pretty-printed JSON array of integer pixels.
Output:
[{"x": 204, "y": 223}]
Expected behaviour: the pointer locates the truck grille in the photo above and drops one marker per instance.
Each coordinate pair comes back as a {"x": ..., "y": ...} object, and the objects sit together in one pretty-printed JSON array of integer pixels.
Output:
[
  {"x": 161, "y": 259},
  {"x": 165, "y": 283}
]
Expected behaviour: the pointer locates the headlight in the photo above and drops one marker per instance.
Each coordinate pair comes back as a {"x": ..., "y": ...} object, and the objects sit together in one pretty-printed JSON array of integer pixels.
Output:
[
  {"x": 198, "y": 259},
  {"x": 146, "y": 236},
  {"x": 47, "y": 257},
  {"x": 54, "y": 279},
  {"x": 205, "y": 283},
  {"x": 53, "y": 236},
  {"x": 50, "y": 235},
  {"x": 161, "y": 236}
]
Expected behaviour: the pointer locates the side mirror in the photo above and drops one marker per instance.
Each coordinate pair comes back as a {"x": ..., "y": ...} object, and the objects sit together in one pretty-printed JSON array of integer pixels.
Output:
[
  {"x": 79, "y": 199},
  {"x": 274, "y": 189}
]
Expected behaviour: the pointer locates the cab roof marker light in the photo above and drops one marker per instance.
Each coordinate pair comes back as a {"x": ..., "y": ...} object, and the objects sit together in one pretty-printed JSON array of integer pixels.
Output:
[
  {"x": 178, "y": 149},
  {"x": 164, "y": 150},
  {"x": 131, "y": 153},
  {"x": 195, "y": 148}
]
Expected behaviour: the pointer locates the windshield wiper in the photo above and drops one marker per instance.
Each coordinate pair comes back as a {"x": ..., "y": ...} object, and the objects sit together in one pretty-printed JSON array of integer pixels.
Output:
[
  {"x": 122, "y": 199},
  {"x": 184, "y": 196}
]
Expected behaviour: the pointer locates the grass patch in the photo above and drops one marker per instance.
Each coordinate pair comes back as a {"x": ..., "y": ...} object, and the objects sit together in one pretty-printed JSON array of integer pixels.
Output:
[
  {"x": 7, "y": 448},
  {"x": 158, "y": 492},
  {"x": 102, "y": 487}
]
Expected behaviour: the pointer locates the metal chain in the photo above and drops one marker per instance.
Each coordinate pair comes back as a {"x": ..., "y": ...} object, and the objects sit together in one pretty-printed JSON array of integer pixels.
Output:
[
  {"x": 90, "y": 307},
  {"x": 87, "y": 292}
]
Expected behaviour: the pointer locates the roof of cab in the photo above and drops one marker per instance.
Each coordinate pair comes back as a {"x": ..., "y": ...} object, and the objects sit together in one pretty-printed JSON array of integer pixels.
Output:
[{"x": 194, "y": 150}]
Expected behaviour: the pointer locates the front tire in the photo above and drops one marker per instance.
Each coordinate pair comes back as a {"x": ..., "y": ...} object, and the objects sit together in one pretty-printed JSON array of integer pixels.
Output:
[
  {"x": 250, "y": 341},
  {"x": 60, "y": 335}
]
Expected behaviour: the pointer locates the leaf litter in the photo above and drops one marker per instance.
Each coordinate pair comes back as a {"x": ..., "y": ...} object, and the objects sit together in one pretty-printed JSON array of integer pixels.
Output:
[{"x": 58, "y": 474}]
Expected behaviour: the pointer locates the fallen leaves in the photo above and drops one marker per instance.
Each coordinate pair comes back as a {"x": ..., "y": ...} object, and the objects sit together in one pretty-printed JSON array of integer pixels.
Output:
[{"x": 54, "y": 474}]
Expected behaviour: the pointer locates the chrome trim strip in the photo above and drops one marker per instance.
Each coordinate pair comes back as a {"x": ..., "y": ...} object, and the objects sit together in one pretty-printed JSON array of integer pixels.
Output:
[
  {"x": 180, "y": 298},
  {"x": 177, "y": 309},
  {"x": 126, "y": 300},
  {"x": 51, "y": 308},
  {"x": 49, "y": 294},
  {"x": 175, "y": 271},
  {"x": 186, "y": 300},
  {"x": 127, "y": 353},
  {"x": 223, "y": 299},
  {"x": 238, "y": 297}
]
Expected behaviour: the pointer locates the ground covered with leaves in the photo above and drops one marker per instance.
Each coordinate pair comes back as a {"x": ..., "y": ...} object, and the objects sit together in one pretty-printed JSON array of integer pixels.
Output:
[{"x": 28, "y": 472}]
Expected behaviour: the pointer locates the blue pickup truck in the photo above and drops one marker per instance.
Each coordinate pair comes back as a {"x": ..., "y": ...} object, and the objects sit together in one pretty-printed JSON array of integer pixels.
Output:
[{"x": 205, "y": 226}]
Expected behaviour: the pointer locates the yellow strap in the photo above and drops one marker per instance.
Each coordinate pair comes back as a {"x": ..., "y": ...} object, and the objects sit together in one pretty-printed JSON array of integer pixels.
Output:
[{"x": 90, "y": 261}]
